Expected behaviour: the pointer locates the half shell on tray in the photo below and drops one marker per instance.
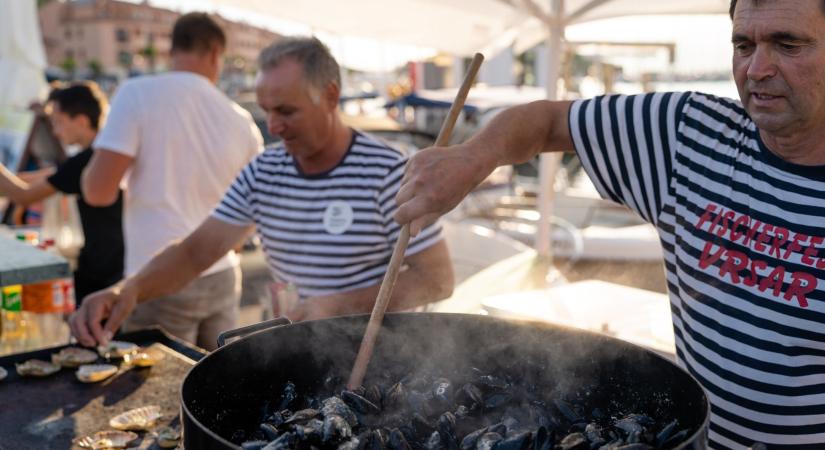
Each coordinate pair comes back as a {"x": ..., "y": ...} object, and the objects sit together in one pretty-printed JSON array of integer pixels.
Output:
[
  {"x": 73, "y": 357},
  {"x": 145, "y": 357},
  {"x": 106, "y": 439},
  {"x": 3, "y": 373},
  {"x": 116, "y": 349},
  {"x": 168, "y": 437},
  {"x": 141, "y": 418},
  {"x": 92, "y": 373},
  {"x": 36, "y": 368}
]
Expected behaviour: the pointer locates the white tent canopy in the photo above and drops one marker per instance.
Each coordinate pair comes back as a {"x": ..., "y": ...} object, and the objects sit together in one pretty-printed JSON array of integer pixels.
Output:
[{"x": 459, "y": 27}]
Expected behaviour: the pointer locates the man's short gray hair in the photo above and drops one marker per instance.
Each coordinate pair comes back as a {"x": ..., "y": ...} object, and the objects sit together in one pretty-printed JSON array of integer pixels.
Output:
[
  {"x": 320, "y": 67},
  {"x": 733, "y": 7}
]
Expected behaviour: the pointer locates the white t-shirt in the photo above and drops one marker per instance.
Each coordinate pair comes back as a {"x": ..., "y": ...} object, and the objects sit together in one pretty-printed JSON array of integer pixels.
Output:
[{"x": 188, "y": 141}]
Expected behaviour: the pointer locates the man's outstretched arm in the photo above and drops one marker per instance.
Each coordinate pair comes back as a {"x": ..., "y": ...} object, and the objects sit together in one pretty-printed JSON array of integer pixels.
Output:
[
  {"x": 169, "y": 271},
  {"x": 437, "y": 179}
]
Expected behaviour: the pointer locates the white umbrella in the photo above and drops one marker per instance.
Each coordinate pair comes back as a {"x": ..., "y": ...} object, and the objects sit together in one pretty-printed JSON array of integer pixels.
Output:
[
  {"x": 22, "y": 62},
  {"x": 459, "y": 27},
  {"x": 22, "y": 58}
]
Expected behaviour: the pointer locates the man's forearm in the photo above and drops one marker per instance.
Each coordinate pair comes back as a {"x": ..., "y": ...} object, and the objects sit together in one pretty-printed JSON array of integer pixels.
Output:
[
  {"x": 21, "y": 192},
  {"x": 10, "y": 185},
  {"x": 518, "y": 134}
]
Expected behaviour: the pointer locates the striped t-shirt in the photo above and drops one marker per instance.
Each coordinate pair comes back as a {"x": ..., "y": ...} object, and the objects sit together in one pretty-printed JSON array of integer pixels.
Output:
[
  {"x": 742, "y": 232},
  {"x": 330, "y": 232}
]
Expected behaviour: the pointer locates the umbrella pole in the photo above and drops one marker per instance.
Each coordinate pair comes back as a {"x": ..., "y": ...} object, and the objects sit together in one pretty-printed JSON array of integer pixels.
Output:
[{"x": 549, "y": 162}]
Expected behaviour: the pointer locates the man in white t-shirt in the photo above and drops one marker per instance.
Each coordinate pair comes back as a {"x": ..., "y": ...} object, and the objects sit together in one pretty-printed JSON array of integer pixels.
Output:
[{"x": 176, "y": 142}]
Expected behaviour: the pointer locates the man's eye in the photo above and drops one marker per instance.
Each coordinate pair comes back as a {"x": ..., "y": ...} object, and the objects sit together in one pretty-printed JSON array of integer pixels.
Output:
[
  {"x": 790, "y": 48},
  {"x": 742, "y": 47}
]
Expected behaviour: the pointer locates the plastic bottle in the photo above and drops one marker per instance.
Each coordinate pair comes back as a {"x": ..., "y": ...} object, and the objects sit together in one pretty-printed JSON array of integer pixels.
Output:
[
  {"x": 14, "y": 324},
  {"x": 43, "y": 309},
  {"x": 64, "y": 300},
  {"x": 69, "y": 300},
  {"x": 45, "y": 305}
]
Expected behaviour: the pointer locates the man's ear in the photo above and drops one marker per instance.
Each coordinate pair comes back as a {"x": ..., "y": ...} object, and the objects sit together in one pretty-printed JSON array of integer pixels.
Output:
[
  {"x": 215, "y": 54},
  {"x": 332, "y": 93}
]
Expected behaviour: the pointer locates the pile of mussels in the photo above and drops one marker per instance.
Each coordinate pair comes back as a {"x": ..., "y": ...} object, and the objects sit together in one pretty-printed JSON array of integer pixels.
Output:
[{"x": 474, "y": 410}]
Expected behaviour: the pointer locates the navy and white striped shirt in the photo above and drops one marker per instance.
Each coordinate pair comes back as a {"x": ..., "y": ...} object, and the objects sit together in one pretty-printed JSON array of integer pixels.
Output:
[
  {"x": 326, "y": 233},
  {"x": 742, "y": 232}
]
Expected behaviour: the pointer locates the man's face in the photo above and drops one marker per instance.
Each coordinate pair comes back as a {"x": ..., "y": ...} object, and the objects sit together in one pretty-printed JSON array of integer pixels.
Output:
[
  {"x": 779, "y": 64},
  {"x": 304, "y": 123},
  {"x": 68, "y": 129}
]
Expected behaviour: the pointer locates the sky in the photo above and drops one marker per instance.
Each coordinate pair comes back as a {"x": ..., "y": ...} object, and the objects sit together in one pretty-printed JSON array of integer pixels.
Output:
[{"x": 702, "y": 42}]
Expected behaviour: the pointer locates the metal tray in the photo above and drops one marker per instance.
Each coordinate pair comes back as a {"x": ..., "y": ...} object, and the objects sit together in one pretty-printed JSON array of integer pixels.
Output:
[{"x": 38, "y": 413}]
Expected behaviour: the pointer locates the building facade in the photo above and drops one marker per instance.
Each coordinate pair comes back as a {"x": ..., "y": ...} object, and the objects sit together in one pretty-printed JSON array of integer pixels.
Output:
[{"x": 84, "y": 37}]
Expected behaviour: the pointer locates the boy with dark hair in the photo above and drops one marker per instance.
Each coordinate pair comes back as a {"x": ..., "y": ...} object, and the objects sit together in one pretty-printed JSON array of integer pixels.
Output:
[{"x": 76, "y": 114}]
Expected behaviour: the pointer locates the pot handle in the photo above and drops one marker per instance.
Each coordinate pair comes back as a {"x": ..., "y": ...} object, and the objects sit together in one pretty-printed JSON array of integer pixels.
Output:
[{"x": 243, "y": 331}]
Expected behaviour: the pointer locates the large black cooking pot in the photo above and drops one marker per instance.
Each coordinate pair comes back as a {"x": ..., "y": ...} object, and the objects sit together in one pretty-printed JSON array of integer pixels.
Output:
[{"x": 227, "y": 390}]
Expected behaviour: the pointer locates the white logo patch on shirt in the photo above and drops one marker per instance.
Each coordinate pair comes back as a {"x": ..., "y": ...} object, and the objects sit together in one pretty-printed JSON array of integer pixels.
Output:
[{"x": 338, "y": 217}]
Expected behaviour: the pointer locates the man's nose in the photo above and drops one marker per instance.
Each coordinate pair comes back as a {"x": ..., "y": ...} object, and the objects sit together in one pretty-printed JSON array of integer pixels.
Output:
[
  {"x": 274, "y": 124},
  {"x": 762, "y": 64}
]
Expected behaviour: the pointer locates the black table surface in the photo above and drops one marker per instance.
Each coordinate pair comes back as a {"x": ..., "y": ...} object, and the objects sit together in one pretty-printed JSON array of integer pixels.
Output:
[{"x": 49, "y": 412}]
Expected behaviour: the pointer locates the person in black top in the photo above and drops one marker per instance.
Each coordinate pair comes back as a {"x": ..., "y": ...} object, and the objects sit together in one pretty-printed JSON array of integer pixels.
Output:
[{"x": 76, "y": 116}]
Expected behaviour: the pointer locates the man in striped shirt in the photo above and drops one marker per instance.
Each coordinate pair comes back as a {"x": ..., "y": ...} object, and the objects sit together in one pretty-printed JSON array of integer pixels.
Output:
[
  {"x": 736, "y": 190},
  {"x": 322, "y": 201}
]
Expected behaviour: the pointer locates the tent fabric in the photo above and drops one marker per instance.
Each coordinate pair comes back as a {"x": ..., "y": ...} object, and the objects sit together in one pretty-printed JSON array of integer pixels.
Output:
[
  {"x": 22, "y": 57},
  {"x": 460, "y": 27}
]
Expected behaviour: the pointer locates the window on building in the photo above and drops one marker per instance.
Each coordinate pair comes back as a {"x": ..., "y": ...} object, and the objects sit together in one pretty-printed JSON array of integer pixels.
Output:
[
  {"x": 124, "y": 59},
  {"x": 67, "y": 33},
  {"x": 121, "y": 35}
]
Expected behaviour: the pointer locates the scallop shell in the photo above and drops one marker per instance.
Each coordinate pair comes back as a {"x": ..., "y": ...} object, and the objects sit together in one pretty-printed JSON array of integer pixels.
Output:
[
  {"x": 73, "y": 357},
  {"x": 168, "y": 437},
  {"x": 106, "y": 439},
  {"x": 116, "y": 349},
  {"x": 3, "y": 373},
  {"x": 141, "y": 418},
  {"x": 36, "y": 368},
  {"x": 92, "y": 373},
  {"x": 146, "y": 357}
]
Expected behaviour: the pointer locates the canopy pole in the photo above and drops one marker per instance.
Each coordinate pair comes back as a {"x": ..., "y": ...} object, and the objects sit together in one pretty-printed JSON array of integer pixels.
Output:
[{"x": 550, "y": 162}]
